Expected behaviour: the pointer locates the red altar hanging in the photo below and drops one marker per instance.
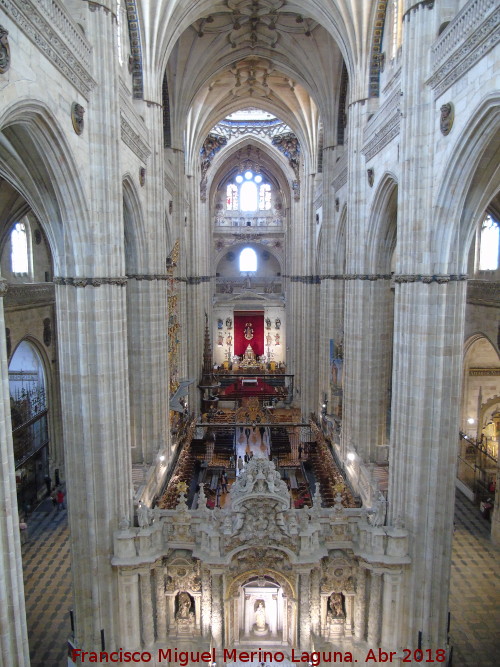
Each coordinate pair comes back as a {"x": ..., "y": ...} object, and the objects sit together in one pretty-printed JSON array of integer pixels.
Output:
[{"x": 249, "y": 330}]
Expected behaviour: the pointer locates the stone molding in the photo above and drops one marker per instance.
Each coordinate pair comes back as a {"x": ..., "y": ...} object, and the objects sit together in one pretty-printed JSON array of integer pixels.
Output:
[
  {"x": 422, "y": 278},
  {"x": 483, "y": 293},
  {"x": 133, "y": 140},
  {"x": 340, "y": 180},
  {"x": 194, "y": 280},
  {"x": 473, "y": 32},
  {"x": 148, "y": 276},
  {"x": 90, "y": 282},
  {"x": 52, "y": 30},
  {"x": 402, "y": 278},
  {"x": 484, "y": 372},
  {"x": 376, "y": 140},
  {"x": 21, "y": 295}
]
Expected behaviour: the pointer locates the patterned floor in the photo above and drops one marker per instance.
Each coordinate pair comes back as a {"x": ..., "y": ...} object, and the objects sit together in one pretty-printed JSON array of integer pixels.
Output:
[
  {"x": 475, "y": 590},
  {"x": 474, "y": 599}
]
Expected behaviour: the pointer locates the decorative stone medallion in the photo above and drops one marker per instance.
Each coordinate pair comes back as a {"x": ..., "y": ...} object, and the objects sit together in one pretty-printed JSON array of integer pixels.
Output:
[
  {"x": 77, "y": 112},
  {"x": 447, "y": 118},
  {"x": 4, "y": 50},
  {"x": 371, "y": 176}
]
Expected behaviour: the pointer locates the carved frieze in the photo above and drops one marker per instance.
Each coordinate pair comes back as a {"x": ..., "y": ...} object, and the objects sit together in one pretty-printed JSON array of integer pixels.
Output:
[{"x": 183, "y": 574}]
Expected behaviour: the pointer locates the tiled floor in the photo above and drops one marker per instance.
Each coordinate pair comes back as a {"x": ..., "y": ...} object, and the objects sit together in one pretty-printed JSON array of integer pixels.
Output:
[
  {"x": 475, "y": 590},
  {"x": 47, "y": 585},
  {"x": 474, "y": 599}
]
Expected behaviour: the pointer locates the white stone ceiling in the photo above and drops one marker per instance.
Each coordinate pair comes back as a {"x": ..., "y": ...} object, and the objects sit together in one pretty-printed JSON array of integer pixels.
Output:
[{"x": 283, "y": 57}]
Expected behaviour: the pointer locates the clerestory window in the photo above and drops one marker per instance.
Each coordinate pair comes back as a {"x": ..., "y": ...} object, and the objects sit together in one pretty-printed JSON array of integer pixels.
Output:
[
  {"x": 248, "y": 260},
  {"x": 489, "y": 244},
  {"x": 19, "y": 248}
]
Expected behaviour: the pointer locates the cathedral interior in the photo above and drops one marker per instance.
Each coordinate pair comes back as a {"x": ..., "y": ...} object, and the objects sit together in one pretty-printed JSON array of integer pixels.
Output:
[{"x": 249, "y": 290}]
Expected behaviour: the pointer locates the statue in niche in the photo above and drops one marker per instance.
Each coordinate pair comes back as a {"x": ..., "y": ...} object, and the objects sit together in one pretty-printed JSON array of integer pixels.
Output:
[
  {"x": 277, "y": 323},
  {"x": 229, "y": 323},
  {"x": 260, "y": 626},
  {"x": 268, "y": 323},
  {"x": 184, "y": 612},
  {"x": 335, "y": 607}
]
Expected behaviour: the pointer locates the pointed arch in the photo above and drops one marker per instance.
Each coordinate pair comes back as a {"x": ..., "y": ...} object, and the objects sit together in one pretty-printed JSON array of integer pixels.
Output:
[
  {"x": 471, "y": 180},
  {"x": 35, "y": 158}
]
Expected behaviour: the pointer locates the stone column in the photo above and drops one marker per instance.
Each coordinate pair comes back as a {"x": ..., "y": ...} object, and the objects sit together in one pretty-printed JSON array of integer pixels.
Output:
[
  {"x": 129, "y": 605},
  {"x": 315, "y": 602},
  {"x": 349, "y": 611},
  {"x": 391, "y": 612},
  {"x": 206, "y": 601},
  {"x": 161, "y": 603},
  {"x": 428, "y": 351},
  {"x": 92, "y": 324},
  {"x": 147, "y": 617},
  {"x": 217, "y": 610},
  {"x": 13, "y": 635},
  {"x": 147, "y": 302},
  {"x": 374, "y": 609},
  {"x": 360, "y": 605},
  {"x": 304, "y": 611}
]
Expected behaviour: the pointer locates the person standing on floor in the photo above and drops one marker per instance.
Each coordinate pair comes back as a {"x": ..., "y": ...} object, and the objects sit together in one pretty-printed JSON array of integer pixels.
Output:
[
  {"x": 300, "y": 451},
  {"x": 60, "y": 499},
  {"x": 240, "y": 464}
]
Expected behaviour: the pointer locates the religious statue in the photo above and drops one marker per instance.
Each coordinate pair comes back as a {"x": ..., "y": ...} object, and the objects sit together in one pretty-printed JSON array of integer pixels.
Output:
[
  {"x": 248, "y": 331},
  {"x": 184, "y": 612},
  {"x": 268, "y": 323},
  {"x": 220, "y": 338},
  {"x": 260, "y": 626},
  {"x": 229, "y": 323},
  {"x": 143, "y": 515},
  {"x": 269, "y": 339},
  {"x": 277, "y": 323},
  {"x": 220, "y": 323},
  {"x": 277, "y": 337},
  {"x": 229, "y": 339},
  {"x": 335, "y": 606}
]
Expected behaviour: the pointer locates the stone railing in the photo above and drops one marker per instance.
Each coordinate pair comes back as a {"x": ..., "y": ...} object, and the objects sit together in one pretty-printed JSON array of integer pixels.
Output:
[
  {"x": 52, "y": 30},
  {"x": 242, "y": 221},
  {"x": 209, "y": 534},
  {"x": 468, "y": 37},
  {"x": 460, "y": 28}
]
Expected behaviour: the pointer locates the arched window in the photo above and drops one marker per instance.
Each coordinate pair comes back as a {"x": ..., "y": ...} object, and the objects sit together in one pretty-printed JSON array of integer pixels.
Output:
[
  {"x": 489, "y": 244},
  {"x": 19, "y": 248},
  {"x": 248, "y": 260},
  {"x": 248, "y": 193}
]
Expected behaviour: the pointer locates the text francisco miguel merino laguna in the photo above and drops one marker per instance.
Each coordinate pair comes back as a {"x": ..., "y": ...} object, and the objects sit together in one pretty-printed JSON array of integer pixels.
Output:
[{"x": 188, "y": 658}]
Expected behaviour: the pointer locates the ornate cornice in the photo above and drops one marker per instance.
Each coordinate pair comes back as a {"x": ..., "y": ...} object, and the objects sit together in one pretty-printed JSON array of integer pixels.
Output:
[
  {"x": 488, "y": 372},
  {"x": 483, "y": 293},
  {"x": 133, "y": 140},
  {"x": 402, "y": 278},
  {"x": 422, "y": 278},
  {"x": 340, "y": 180},
  {"x": 29, "y": 294},
  {"x": 473, "y": 32},
  {"x": 390, "y": 112},
  {"x": 52, "y": 30},
  {"x": 148, "y": 277},
  {"x": 90, "y": 282},
  {"x": 194, "y": 280}
]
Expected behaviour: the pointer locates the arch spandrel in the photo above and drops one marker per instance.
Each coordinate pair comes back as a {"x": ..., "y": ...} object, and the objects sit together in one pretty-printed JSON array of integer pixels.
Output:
[{"x": 51, "y": 184}]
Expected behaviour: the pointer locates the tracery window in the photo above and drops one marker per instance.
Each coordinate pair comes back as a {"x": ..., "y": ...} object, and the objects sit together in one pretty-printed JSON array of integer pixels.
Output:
[
  {"x": 489, "y": 244},
  {"x": 232, "y": 198},
  {"x": 248, "y": 193},
  {"x": 19, "y": 248}
]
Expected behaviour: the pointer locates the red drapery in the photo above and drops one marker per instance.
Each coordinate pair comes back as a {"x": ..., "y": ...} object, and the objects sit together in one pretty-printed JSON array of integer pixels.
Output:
[{"x": 256, "y": 321}]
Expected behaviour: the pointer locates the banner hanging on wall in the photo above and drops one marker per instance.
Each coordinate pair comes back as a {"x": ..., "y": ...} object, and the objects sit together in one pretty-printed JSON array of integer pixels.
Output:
[{"x": 249, "y": 330}]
